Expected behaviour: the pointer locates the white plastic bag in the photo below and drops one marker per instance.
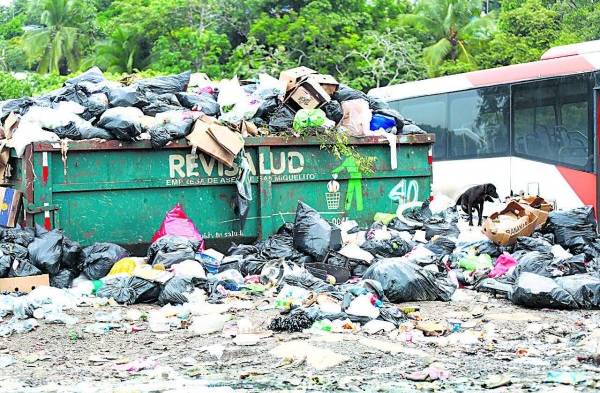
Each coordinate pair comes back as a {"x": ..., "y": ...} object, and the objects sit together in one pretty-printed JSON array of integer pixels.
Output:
[
  {"x": 189, "y": 268},
  {"x": 269, "y": 87},
  {"x": 357, "y": 117},
  {"x": 28, "y": 133}
]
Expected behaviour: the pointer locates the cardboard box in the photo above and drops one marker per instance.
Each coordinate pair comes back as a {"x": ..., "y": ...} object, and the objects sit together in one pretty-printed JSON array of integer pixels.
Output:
[
  {"x": 10, "y": 204},
  {"x": 247, "y": 128},
  {"x": 504, "y": 227},
  {"x": 308, "y": 95},
  {"x": 24, "y": 284},
  {"x": 201, "y": 139},
  {"x": 292, "y": 76},
  {"x": 229, "y": 140},
  {"x": 327, "y": 82},
  {"x": 538, "y": 206},
  {"x": 10, "y": 125}
]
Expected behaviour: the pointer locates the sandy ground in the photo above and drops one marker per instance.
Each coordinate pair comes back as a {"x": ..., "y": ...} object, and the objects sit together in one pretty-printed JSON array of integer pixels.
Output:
[{"x": 494, "y": 343}]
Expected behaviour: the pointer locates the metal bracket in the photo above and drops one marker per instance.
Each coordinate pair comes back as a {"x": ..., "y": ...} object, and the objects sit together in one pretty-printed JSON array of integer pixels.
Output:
[{"x": 40, "y": 209}]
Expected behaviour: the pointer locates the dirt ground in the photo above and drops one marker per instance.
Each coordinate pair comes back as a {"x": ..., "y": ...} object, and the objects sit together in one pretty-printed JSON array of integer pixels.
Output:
[{"x": 493, "y": 343}]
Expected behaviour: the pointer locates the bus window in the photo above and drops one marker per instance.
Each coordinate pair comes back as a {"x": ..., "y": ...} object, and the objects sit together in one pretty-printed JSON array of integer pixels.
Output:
[
  {"x": 478, "y": 123},
  {"x": 551, "y": 122},
  {"x": 429, "y": 113}
]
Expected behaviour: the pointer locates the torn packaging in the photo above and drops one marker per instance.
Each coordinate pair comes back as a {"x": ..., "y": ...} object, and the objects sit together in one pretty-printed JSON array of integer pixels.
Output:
[
  {"x": 504, "y": 227},
  {"x": 10, "y": 201},
  {"x": 292, "y": 76},
  {"x": 308, "y": 94},
  {"x": 201, "y": 139},
  {"x": 231, "y": 141}
]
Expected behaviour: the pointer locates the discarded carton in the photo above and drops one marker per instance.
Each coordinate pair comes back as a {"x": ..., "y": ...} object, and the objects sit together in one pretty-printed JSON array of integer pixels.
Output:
[
  {"x": 10, "y": 125},
  {"x": 292, "y": 76},
  {"x": 24, "y": 284},
  {"x": 201, "y": 139},
  {"x": 10, "y": 204},
  {"x": 538, "y": 206},
  {"x": 504, "y": 227},
  {"x": 308, "y": 95},
  {"x": 247, "y": 128},
  {"x": 229, "y": 140},
  {"x": 327, "y": 82}
]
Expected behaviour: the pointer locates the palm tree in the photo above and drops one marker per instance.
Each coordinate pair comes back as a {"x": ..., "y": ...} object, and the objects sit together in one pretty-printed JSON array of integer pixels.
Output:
[
  {"x": 53, "y": 46},
  {"x": 454, "y": 27},
  {"x": 120, "y": 53}
]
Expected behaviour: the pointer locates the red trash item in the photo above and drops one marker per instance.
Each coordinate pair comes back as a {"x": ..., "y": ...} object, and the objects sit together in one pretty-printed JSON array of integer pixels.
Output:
[{"x": 177, "y": 223}]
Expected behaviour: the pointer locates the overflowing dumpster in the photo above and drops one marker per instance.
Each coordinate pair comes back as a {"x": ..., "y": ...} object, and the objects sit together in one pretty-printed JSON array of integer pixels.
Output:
[{"x": 119, "y": 191}]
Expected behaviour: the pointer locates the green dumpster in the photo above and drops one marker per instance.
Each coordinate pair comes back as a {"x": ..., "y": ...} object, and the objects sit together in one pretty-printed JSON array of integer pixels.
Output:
[{"x": 112, "y": 191}]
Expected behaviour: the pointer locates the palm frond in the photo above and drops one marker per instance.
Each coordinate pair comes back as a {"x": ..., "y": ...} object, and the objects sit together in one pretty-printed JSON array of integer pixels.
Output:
[{"x": 435, "y": 54}]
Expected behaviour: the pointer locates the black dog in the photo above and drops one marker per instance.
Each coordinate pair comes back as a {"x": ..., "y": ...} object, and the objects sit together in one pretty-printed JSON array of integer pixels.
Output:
[{"x": 474, "y": 198}]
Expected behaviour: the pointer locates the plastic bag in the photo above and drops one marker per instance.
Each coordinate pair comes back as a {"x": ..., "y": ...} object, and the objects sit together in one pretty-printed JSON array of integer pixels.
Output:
[
  {"x": 267, "y": 107},
  {"x": 22, "y": 268},
  {"x": 124, "y": 123},
  {"x": 313, "y": 235},
  {"x": 333, "y": 110},
  {"x": 391, "y": 114},
  {"x": 535, "y": 291},
  {"x": 45, "y": 252},
  {"x": 176, "y": 290},
  {"x": 346, "y": 93},
  {"x": 177, "y": 223},
  {"x": 404, "y": 281},
  {"x": 441, "y": 246},
  {"x": 71, "y": 254},
  {"x": 379, "y": 121},
  {"x": 169, "y": 250},
  {"x": 93, "y": 75},
  {"x": 307, "y": 118},
  {"x": 395, "y": 247},
  {"x": 129, "y": 290},
  {"x": 504, "y": 263},
  {"x": 16, "y": 251},
  {"x": 189, "y": 269},
  {"x": 201, "y": 102},
  {"x": 269, "y": 87},
  {"x": 17, "y": 235},
  {"x": 19, "y": 106},
  {"x": 162, "y": 103},
  {"x": 357, "y": 117},
  {"x": 126, "y": 97},
  {"x": 536, "y": 262},
  {"x": 584, "y": 288},
  {"x": 28, "y": 133},
  {"x": 281, "y": 120},
  {"x": 99, "y": 258},
  {"x": 170, "y": 126},
  {"x": 440, "y": 228},
  {"x": 5, "y": 264},
  {"x": 165, "y": 84},
  {"x": 63, "y": 279},
  {"x": 573, "y": 229}
]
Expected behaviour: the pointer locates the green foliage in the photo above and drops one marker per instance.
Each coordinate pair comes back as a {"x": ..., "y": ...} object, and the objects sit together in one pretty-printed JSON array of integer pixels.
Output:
[
  {"x": 11, "y": 87},
  {"x": 189, "y": 49},
  {"x": 43, "y": 83}
]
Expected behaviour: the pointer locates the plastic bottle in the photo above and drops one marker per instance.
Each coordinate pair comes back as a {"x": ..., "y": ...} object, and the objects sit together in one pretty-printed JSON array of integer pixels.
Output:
[{"x": 103, "y": 316}]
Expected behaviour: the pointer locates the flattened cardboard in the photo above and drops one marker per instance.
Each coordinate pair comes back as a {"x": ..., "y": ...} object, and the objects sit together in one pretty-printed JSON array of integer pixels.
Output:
[
  {"x": 308, "y": 95},
  {"x": 247, "y": 128},
  {"x": 327, "y": 82},
  {"x": 10, "y": 125},
  {"x": 10, "y": 204},
  {"x": 504, "y": 227},
  {"x": 200, "y": 138},
  {"x": 292, "y": 76},
  {"x": 229, "y": 140},
  {"x": 24, "y": 284}
]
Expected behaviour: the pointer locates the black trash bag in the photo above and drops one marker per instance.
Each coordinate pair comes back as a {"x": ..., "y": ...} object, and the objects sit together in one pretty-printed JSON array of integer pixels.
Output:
[
  {"x": 63, "y": 279},
  {"x": 45, "y": 252},
  {"x": 395, "y": 247},
  {"x": 123, "y": 123},
  {"x": 277, "y": 247},
  {"x": 17, "y": 235},
  {"x": 19, "y": 106},
  {"x": 346, "y": 93},
  {"x": 99, "y": 258},
  {"x": 441, "y": 246},
  {"x": 176, "y": 290},
  {"x": 5, "y": 264},
  {"x": 165, "y": 84},
  {"x": 584, "y": 288},
  {"x": 308, "y": 281},
  {"x": 170, "y": 250},
  {"x": 572, "y": 229},
  {"x": 313, "y": 235},
  {"x": 540, "y": 263},
  {"x": 333, "y": 111},
  {"x": 93, "y": 75},
  {"x": 535, "y": 291},
  {"x": 315, "y": 314},
  {"x": 96, "y": 105},
  {"x": 71, "y": 254},
  {"x": 23, "y": 269},
  {"x": 129, "y": 290},
  {"x": 266, "y": 109},
  {"x": 440, "y": 227},
  {"x": 92, "y": 132},
  {"x": 70, "y": 131},
  {"x": 393, "y": 315},
  {"x": 574, "y": 265},
  {"x": 592, "y": 249},
  {"x": 203, "y": 102},
  {"x": 251, "y": 265},
  {"x": 405, "y": 281},
  {"x": 161, "y": 134},
  {"x": 401, "y": 226},
  {"x": 378, "y": 105},
  {"x": 533, "y": 244},
  {"x": 126, "y": 97},
  {"x": 394, "y": 115},
  {"x": 281, "y": 120},
  {"x": 161, "y": 103},
  {"x": 420, "y": 213},
  {"x": 294, "y": 322},
  {"x": 16, "y": 251}
]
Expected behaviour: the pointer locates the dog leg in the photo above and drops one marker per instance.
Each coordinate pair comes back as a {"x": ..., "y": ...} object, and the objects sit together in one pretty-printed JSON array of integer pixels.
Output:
[
  {"x": 470, "y": 208},
  {"x": 480, "y": 213}
]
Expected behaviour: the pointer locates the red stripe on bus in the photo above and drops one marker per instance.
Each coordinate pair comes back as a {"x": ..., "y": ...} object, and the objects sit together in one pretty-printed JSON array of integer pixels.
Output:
[{"x": 583, "y": 183}]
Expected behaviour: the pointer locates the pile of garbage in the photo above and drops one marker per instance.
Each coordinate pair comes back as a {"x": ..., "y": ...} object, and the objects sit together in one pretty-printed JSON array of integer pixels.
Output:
[
  {"x": 166, "y": 108},
  {"x": 317, "y": 272}
]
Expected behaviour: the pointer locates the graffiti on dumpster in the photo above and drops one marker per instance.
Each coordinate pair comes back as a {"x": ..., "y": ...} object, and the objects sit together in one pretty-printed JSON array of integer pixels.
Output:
[
  {"x": 405, "y": 191},
  {"x": 199, "y": 169},
  {"x": 354, "y": 191}
]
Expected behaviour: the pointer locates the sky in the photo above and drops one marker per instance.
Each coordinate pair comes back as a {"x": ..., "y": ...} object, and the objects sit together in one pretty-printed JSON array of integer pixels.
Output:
[{"x": 5, "y": 2}]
